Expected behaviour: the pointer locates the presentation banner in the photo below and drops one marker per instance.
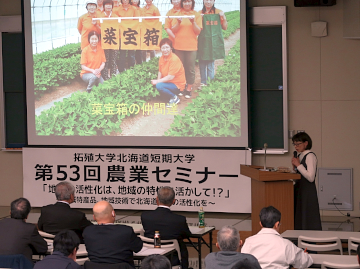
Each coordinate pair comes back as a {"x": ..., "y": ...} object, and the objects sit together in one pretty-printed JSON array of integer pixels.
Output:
[
  {"x": 130, "y": 35},
  {"x": 151, "y": 34},
  {"x": 110, "y": 30},
  {"x": 129, "y": 178}
]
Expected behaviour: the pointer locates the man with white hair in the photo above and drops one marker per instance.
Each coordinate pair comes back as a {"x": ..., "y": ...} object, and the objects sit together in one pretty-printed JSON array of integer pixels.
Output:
[
  {"x": 228, "y": 241},
  {"x": 60, "y": 216}
]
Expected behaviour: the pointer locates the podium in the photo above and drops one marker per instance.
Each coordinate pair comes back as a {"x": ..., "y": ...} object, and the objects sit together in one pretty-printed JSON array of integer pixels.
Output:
[{"x": 271, "y": 188}]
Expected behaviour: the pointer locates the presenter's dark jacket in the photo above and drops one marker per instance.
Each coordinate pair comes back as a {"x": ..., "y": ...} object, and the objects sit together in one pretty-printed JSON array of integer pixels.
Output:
[
  {"x": 307, "y": 212},
  {"x": 170, "y": 226},
  {"x": 111, "y": 243},
  {"x": 57, "y": 261},
  {"x": 19, "y": 237},
  {"x": 60, "y": 216}
]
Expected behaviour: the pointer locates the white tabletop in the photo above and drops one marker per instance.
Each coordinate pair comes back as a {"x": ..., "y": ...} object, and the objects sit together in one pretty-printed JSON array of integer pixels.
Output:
[
  {"x": 145, "y": 251},
  {"x": 344, "y": 236},
  {"x": 195, "y": 230},
  {"x": 337, "y": 259}
]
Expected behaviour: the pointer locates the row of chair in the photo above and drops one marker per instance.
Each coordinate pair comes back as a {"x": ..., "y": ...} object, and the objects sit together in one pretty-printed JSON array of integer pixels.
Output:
[
  {"x": 327, "y": 244},
  {"x": 329, "y": 265},
  {"x": 81, "y": 255}
]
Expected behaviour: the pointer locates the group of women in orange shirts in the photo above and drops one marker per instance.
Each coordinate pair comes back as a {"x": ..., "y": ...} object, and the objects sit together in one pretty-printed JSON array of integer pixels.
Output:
[
  {"x": 115, "y": 60},
  {"x": 183, "y": 40},
  {"x": 183, "y": 33}
]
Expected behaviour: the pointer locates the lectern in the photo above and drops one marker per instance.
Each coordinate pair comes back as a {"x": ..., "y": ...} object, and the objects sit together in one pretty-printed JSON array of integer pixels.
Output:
[{"x": 271, "y": 188}]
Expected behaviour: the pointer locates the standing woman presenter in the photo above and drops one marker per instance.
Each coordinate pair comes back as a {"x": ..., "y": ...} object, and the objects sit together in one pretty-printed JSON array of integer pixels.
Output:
[{"x": 307, "y": 213}]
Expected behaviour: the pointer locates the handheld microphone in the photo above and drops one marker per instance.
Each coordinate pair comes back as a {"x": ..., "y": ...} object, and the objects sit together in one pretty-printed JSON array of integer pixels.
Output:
[{"x": 295, "y": 156}]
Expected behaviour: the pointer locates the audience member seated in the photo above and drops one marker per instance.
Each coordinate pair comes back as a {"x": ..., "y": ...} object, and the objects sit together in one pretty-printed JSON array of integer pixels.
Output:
[
  {"x": 245, "y": 264},
  {"x": 155, "y": 261},
  {"x": 228, "y": 241},
  {"x": 270, "y": 249},
  {"x": 170, "y": 225},
  {"x": 107, "y": 243},
  {"x": 60, "y": 216},
  {"x": 19, "y": 237},
  {"x": 66, "y": 244}
]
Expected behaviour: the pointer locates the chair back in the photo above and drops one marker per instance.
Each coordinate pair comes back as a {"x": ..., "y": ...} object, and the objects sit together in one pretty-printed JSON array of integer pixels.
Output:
[
  {"x": 18, "y": 261},
  {"x": 173, "y": 243},
  {"x": 94, "y": 265},
  {"x": 353, "y": 244},
  {"x": 329, "y": 265},
  {"x": 320, "y": 244},
  {"x": 81, "y": 255},
  {"x": 81, "y": 261},
  {"x": 47, "y": 235},
  {"x": 139, "y": 232}
]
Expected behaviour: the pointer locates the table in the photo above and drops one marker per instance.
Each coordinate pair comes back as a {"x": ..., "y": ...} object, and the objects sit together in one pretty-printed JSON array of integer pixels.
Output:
[
  {"x": 293, "y": 235},
  {"x": 144, "y": 252},
  {"x": 82, "y": 255},
  {"x": 338, "y": 259},
  {"x": 196, "y": 232}
]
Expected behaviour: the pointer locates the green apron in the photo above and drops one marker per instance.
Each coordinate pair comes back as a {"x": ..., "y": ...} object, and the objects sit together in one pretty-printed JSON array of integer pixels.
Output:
[{"x": 211, "y": 40}]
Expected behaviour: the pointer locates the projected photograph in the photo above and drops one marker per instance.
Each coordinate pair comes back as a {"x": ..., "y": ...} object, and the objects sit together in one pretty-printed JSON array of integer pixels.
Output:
[{"x": 97, "y": 75}]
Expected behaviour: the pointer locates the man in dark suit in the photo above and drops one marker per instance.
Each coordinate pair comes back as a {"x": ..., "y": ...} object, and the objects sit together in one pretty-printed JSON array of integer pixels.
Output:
[
  {"x": 169, "y": 224},
  {"x": 61, "y": 216},
  {"x": 17, "y": 236},
  {"x": 66, "y": 244},
  {"x": 110, "y": 243}
]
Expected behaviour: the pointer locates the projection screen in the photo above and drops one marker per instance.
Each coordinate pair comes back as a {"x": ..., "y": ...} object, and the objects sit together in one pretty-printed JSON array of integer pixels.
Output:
[{"x": 123, "y": 106}]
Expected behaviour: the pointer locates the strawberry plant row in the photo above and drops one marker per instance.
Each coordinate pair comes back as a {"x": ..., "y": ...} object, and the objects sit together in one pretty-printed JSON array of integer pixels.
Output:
[
  {"x": 233, "y": 24},
  {"x": 55, "y": 72},
  {"x": 216, "y": 110},
  {"x": 65, "y": 51},
  {"x": 232, "y": 15}
]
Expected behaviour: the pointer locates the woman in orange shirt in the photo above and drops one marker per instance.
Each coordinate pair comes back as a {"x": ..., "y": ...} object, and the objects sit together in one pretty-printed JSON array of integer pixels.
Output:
[
  {"x": 100, "y": 6},
  {"x": 207, "y": 67},
  {"x": 186, "y": 31},
  {"x": 86, "y": 24},
  {"x": 111, "y": 55},
  {"x": 149, "y": 10},
  {"x": 136, "y": 4},
  {"x": 171, "y": 76},
  {"x": 116, "y": 6},
  {"x": 92, "y": 61},
  {"x": 172, "y": 12},
  {"x": 126, "y": 57}
]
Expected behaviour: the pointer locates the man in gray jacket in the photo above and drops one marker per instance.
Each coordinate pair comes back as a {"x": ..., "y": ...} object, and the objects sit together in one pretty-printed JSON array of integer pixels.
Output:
[{"x": 228, "y": 241}]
